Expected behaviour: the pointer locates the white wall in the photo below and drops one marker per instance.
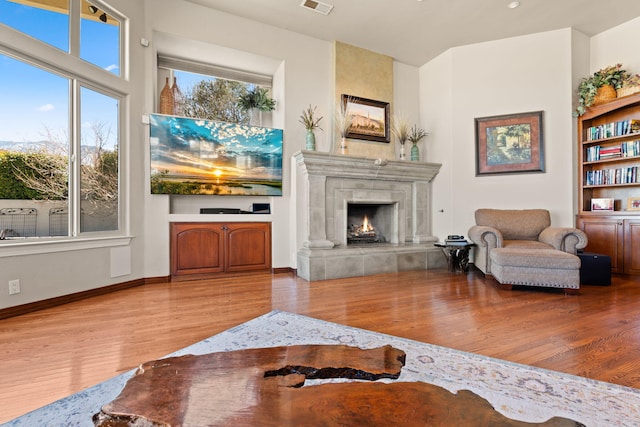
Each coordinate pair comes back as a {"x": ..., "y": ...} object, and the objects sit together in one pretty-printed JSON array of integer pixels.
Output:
[
  {"x": 406, "y": 100},
  {"x": 515, "y": 75},
  {"x": 436, "y": 94},
  {"x": 618, "y": 45},
  {"x": 303, "y": 76}
]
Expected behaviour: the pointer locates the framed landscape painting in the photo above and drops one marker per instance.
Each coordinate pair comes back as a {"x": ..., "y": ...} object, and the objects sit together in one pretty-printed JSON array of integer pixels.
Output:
[
  {"x": 509, "y": 144},
  {"x": 369, "y": 118}
]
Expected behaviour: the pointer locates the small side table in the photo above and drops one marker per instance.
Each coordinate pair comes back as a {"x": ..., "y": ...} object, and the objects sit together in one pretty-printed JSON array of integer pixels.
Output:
[{"x": 457, "y": 254}]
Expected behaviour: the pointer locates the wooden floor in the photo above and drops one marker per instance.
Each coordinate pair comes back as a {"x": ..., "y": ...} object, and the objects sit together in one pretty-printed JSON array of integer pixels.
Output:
[{"x": 55, "y": 352}]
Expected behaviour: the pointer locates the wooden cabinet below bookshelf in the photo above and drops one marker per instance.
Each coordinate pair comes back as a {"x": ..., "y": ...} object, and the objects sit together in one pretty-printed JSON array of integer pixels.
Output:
[{"x": 615, "y": 236}]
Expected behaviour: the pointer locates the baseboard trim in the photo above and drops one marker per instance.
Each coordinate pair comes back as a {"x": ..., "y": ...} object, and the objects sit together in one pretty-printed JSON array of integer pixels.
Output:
[
  {"x": 31, "y": 307},
  {"x": 18, "y": 310}
]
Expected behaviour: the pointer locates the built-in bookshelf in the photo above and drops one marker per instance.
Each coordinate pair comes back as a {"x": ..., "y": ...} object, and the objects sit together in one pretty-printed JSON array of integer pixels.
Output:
[
  {"x": 609, "y": 181},
  {"x": 609, "y": 147}
]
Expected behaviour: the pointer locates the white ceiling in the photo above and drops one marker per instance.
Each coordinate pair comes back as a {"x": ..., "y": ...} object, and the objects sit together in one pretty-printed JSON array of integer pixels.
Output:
[{"x": 413, "y": 32}]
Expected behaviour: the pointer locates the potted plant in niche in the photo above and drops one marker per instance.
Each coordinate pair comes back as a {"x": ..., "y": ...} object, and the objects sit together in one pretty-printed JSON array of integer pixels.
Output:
[
  {"x": 400, "y": 129},
  {"x": 310, "y": 122},
  {"x": 256, "y": 101},
  {"x": 415, "y": 135},
  {"x": 600, "y": 87}
]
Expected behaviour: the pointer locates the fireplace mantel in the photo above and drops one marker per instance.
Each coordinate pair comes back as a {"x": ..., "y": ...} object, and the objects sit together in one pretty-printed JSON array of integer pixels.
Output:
[
  {"x": 326, "y": 183},
  {"x": 341, "y": 166}
]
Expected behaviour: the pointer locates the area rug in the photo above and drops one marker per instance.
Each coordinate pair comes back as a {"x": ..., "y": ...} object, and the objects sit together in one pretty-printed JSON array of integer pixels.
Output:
[{"x": 518, "y": 391}]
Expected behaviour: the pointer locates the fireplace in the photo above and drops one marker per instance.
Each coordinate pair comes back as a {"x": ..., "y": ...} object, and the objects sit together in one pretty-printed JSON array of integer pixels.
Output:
[
  {"x": 371, "y": 223},
  {"x": 334, "y": 192}
]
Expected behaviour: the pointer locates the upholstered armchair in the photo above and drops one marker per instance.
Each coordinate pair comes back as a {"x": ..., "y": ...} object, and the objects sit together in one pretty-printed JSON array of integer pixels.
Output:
[{"x": 527, "y": 229}]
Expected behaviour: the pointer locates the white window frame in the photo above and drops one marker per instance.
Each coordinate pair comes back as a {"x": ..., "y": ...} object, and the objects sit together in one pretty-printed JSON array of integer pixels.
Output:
[{"x": 25, "y": 48}]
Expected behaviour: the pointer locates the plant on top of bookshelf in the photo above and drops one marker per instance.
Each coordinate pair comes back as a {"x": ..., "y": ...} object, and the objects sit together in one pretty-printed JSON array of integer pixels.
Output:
[
  {"x": 600, "y": 87},
  {"x": 630, "y": 85}
]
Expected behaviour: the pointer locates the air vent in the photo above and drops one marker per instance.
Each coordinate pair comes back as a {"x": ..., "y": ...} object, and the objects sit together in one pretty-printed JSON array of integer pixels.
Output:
[{"x": 317, "y": 6}]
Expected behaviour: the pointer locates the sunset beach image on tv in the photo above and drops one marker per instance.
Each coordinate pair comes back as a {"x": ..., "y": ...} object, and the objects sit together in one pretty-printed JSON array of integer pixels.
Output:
[{"x": 195, "y": 156}]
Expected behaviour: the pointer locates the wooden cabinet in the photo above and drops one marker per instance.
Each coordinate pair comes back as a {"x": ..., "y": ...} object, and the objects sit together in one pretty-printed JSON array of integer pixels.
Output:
[
  {"x": 606, "y": 236},
  {"x": 202, "y": 249},
  {"x": 632, "y": 246},
  {"x": 609, "y": 163}
]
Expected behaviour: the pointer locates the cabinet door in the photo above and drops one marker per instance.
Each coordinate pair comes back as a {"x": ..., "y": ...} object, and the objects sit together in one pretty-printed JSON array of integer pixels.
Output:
[
  {"x": 248, "y": 246},
  {"x": 605, "y": 237},
  {"x": 632, "y": 246},
  {"x": 196, "y": 248}
]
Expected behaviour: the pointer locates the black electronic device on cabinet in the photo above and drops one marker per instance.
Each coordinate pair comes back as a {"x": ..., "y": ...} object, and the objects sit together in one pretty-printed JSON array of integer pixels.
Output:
[
  {"x": 262, "y": 208},
  {"x": 220, "y": 211}
]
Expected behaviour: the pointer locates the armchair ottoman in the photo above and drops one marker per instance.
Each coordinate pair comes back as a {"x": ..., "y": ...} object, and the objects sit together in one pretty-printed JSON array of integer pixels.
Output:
[
  {"x": 527, "y": 249},
  {"x": 539, "y": 267}
]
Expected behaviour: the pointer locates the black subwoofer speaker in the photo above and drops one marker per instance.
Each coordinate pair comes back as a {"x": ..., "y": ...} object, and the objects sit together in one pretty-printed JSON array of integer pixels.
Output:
[{"x": 595, "y": 269}]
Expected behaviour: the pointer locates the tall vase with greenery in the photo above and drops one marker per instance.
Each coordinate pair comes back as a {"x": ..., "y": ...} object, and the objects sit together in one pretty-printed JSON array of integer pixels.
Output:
[
  {"x": 256, "y": 101},
  {"x": 343, "y": 122},
  {"x": 400, "y": 129},
  {"x": 310, "y": 121},
  {"x": 415, "y": 135}
]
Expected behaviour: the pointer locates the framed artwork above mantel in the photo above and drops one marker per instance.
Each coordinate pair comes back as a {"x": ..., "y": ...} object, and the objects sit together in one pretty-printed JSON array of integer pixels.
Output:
[{"x": 370, "y": 118}]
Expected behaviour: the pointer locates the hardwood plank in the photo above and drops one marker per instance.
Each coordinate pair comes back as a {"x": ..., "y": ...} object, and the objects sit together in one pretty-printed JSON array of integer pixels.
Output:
[{"x": 54, "y": 352}]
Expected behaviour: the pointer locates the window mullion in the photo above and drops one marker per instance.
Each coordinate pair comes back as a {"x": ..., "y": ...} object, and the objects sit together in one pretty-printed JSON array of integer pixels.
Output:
[
  {"x": 75, "y": 8},
  {"x": 74, "y": 158}
]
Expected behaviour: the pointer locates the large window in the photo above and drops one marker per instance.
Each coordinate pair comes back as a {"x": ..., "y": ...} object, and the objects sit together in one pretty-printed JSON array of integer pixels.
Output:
[
  {"x": 211, "y": 92},
  {"x": 61, "y": 132}
]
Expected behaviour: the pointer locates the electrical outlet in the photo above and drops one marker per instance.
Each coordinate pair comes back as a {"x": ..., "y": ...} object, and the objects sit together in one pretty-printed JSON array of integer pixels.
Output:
[{"x": 14, "y": 287}]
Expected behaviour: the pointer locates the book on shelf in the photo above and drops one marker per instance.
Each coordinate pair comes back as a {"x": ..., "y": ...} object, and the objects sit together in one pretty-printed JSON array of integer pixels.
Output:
[
  {"x": 625, "y": 149},
  {"x": 626, "y": 175},
  {"x": 610, "y": 130}
]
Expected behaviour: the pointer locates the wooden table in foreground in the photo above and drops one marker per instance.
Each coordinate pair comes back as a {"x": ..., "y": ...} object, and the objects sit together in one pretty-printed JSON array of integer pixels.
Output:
[{"x": 263, "y": 387}]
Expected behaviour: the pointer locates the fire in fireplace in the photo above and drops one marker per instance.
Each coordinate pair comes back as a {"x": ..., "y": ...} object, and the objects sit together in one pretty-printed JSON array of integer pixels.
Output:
[
  {"x": 363, "y": 233},
  {"x": 366, "y": 223}
]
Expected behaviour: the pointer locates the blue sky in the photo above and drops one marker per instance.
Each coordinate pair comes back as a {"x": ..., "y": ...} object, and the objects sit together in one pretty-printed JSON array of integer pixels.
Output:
[{"x": 35, "y": 99}]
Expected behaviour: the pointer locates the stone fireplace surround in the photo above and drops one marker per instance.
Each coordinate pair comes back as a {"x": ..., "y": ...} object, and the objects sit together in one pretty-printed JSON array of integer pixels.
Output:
[{"x": 325, "y": 184}]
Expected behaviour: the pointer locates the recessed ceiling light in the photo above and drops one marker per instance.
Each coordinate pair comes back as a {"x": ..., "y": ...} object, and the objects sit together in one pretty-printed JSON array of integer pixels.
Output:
[{"x": 513, "y": 4}]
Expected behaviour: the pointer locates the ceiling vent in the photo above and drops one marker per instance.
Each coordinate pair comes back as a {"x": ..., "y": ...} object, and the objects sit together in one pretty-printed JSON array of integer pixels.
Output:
[{"x": 317, "y": 6}]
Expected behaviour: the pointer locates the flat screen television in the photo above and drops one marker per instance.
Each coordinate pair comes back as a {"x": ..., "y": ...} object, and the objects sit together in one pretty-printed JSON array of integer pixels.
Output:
[{"x": 196, "y": 156}]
